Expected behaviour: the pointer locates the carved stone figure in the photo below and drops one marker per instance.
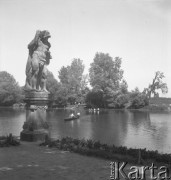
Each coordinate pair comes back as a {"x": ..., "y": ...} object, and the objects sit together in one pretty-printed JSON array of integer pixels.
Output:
[{"x": 39, "y": 57}]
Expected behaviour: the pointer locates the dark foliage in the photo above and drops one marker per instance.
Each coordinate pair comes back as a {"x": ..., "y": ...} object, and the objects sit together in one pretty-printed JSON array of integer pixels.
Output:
[
  {"x": 10, "y": 140},
  {"x": 138, "y": 99},
  {"x": 121, "y": 101},
  {"x": 10, "y": 91},
  {"x": 95, "y": 99}
]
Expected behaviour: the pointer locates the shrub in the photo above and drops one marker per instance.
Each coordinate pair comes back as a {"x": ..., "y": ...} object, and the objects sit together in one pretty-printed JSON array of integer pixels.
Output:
[
  {"x": 139, "y": 101},
  {"x": 9, "y": 140},
  {"x": 121, "y": 101}
]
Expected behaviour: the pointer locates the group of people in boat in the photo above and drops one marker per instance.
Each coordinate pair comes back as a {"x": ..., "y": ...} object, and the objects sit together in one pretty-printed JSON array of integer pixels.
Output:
[
  {"x": 73, "y": 115},
  {"x": 94, "y": 110},
  {"x": 77, "y": 114}
]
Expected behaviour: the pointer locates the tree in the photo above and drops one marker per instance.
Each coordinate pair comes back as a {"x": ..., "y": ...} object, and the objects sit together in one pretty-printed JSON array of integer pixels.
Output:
[
  {"x": 10, "y": 91},
  {"x": 95, "y": 99},
  {"x": 52, "y": 85},
  {"x": 64, "y": 75},
  {"x": 72, "y": 78},
  {"x": 75, "y": 75},
  {"x": 121, "y": 101},
  {"x": 137, "y": 99},
  {"x": 157, "y": 84},
  {"x": 61, "y": 96},
  {"x": 134, "y": 93},
  {"x": 84, "y": 88},
  {"x": 124, "y": 87},
  {"x": 106, "y": 74}
]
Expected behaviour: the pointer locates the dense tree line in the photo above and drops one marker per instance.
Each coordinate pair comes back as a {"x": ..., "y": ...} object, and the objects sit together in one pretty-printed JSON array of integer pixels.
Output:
[{"x": 107, "y": 87}]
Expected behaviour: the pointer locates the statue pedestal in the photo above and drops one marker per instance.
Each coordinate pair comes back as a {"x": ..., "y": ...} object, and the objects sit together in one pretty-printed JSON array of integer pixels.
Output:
[
  {"x": 35, "y": 127},
  {"x": 33, "y": 136}
]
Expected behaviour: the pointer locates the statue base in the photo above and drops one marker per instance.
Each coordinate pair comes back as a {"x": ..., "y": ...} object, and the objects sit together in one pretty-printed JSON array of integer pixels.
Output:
[
  {"x": 35, "y": 127},
  {"x": 38, "y": 98},
  {"x": 33, "y": 136}
]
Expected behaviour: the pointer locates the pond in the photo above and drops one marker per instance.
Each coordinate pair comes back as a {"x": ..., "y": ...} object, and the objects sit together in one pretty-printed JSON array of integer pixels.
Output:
[{"x": 136, "y": 129}]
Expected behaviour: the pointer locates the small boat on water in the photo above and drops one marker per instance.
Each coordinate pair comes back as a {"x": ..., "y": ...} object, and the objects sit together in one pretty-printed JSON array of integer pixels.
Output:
[{"x": 71, "y": 118}]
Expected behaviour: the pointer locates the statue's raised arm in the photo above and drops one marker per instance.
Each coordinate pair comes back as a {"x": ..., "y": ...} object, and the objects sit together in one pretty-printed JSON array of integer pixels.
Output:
[{"x": 38, "y": 58}]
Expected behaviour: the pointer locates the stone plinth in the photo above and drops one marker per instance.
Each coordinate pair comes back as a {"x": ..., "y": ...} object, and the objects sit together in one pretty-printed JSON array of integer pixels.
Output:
[
  {"x": 36, "y": 98},
  {"x": 35, "y": 127},
  {"x": 33, "y": 136}
]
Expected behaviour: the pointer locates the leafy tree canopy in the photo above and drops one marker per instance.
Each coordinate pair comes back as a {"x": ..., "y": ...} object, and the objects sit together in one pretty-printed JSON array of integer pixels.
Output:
[
  {"x": 52, "y": 85},
  {"x": 157, "y": 84},
  {"x": 73, "y": 80},
  {"x": 105, "y": 72},
  {"x": 64, "y": 75},
  {"x": 10, "y": 91},
  {"x": 106, "y": 75}
]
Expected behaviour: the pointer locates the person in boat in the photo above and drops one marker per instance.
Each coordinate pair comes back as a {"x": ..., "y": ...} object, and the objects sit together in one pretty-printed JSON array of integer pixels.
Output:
[
  {"x": 78, "y": 114},
  {"x": 72, "y": 115}
]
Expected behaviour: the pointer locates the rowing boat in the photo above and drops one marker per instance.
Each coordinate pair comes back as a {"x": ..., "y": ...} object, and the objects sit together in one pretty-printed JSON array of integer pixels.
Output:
[{"x": 71, "y": 118}]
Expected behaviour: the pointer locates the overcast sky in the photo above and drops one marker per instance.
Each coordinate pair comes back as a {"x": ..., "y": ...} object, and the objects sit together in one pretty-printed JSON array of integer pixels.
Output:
[{"x": 138, "y": 31}]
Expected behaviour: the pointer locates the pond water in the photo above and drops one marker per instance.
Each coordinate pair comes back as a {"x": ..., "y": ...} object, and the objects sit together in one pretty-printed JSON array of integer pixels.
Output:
[{"x": 120, "y": 127}]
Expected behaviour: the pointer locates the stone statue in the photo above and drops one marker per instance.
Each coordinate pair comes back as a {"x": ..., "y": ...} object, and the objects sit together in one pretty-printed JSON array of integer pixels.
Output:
[{"x": 39, "y": 57}]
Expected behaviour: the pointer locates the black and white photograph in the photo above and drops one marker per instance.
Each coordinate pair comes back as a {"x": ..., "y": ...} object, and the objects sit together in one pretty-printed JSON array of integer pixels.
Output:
[{"x": 85, "y": 90}]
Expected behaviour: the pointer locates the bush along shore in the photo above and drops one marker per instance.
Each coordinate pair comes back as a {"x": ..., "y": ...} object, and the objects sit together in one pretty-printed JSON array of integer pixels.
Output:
[
  {"x": 10, "y": 140},
  {"x": 97, "y": 149}
]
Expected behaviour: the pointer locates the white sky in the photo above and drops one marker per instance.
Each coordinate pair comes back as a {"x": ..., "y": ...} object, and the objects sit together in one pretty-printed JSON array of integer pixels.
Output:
[{"x": 138, "y": 31}]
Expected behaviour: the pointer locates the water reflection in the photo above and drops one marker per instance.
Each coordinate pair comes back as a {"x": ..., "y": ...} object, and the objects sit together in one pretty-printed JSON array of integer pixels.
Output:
[
  {"x": 138, "y": 123},
  {"x": 121, "y": 127},
  {"x": 161, "y": 130}
]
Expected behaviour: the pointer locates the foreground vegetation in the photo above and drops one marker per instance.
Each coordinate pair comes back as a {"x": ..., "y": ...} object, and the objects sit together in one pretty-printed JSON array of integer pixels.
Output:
[
  {"x": 97, "y": 149},
  {"x": 10, "y": 140}
]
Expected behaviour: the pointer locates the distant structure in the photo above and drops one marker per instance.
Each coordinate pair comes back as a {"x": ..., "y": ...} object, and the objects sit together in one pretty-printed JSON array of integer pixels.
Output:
[{"x": 36, "y": 95}]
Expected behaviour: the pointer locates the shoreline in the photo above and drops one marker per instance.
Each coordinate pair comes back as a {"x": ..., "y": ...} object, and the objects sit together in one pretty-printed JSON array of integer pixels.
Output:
[{"x": 145, "y": 109}]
